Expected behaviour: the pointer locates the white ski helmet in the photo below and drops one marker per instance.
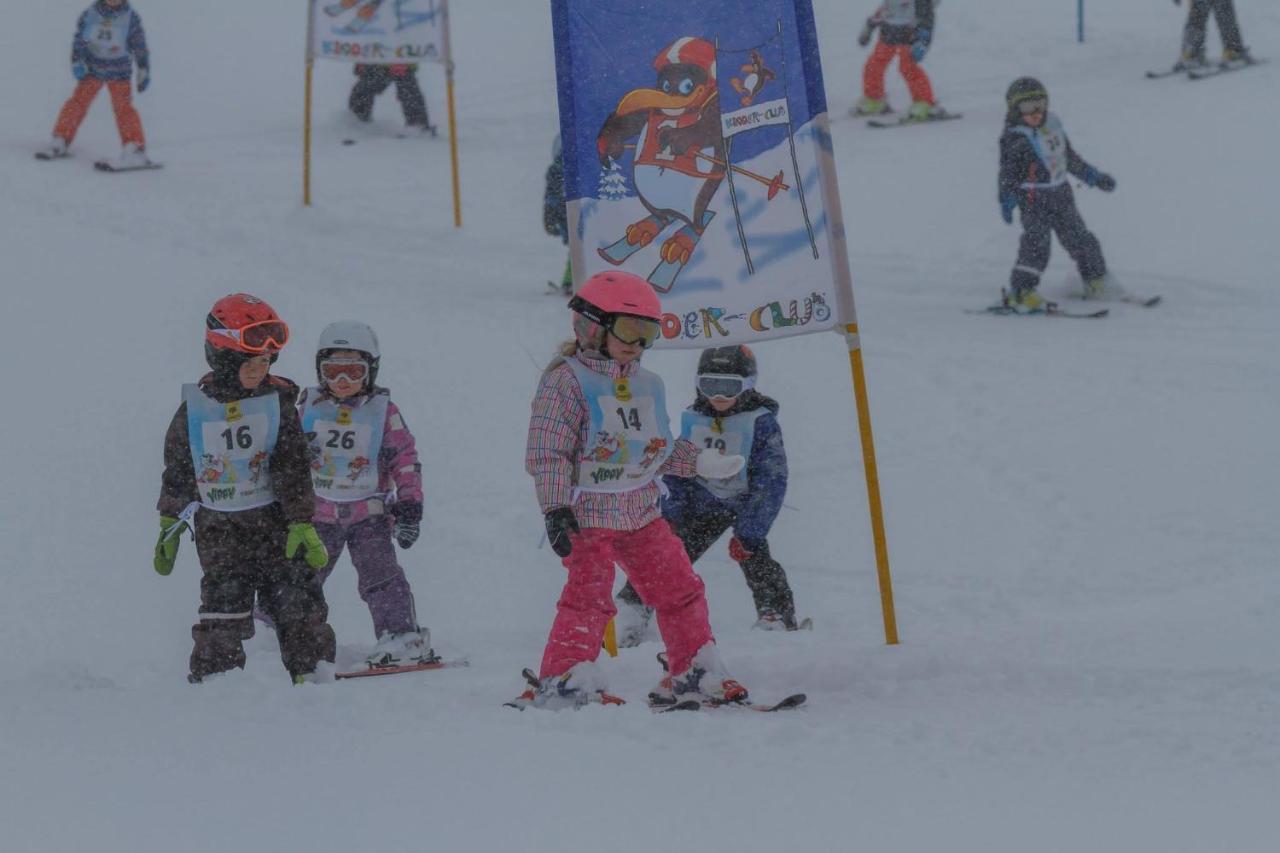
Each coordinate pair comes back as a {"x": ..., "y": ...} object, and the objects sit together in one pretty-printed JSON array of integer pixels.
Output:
[{"x": 349, "y": 335}]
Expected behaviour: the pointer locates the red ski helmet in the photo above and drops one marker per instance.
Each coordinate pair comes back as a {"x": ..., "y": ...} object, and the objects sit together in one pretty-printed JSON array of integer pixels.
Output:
[
  {"x": 608, "y": 296},
  {"x": 245, "y": 324}
]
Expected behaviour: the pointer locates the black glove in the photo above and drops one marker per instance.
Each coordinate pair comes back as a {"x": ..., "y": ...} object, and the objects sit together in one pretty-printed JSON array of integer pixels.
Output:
[
  {"x": 560, "y": 523},
  {"x": 1106, "y": 183},
  {"x": 408, "y": 523}
]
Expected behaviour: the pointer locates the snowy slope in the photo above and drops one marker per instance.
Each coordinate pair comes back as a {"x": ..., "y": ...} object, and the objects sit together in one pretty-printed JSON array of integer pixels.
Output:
[{"x": 1080, "y": 515}]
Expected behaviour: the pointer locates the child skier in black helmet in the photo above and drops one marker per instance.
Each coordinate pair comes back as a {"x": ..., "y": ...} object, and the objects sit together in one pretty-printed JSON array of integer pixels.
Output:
[
  {"x": 728, "y": 415},
  {"x": 1036, "y": 163}
]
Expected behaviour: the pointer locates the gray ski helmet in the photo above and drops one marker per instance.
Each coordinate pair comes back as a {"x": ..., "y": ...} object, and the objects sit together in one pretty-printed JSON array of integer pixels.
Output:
[
  {"x": 352, "y": 335},
  {"x": 1024, "y": 89},
  {"x": 736, "y": 360}
]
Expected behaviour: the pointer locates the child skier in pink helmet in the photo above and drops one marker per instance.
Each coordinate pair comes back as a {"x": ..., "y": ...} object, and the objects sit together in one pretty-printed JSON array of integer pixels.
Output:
[{"x": 599, "y": 438}]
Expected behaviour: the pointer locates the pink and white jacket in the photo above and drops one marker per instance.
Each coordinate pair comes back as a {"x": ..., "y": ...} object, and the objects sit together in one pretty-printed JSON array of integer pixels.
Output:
[
  {"x": 558, "y": 430},
  {"x": 398, "y": 468}
]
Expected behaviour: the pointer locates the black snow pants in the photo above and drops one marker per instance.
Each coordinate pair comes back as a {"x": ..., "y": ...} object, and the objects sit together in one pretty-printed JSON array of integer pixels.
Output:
[
  {"x": 1224, "y": 12},
  {"x": 1046, "y": 211},
  {"x": 374, "y": 80},
  {"x": 765, "y": 576},
  {"x": 242, "y": 555}
]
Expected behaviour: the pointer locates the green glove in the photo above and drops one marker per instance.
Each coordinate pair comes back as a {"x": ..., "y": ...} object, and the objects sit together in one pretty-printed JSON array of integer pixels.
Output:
[
  {"x": 303, "y": 535},
  {"x": 167, "y": 544}
]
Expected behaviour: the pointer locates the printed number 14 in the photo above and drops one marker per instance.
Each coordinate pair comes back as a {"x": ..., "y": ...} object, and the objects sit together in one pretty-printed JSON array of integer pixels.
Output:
[{"x": 631, "y": 419}]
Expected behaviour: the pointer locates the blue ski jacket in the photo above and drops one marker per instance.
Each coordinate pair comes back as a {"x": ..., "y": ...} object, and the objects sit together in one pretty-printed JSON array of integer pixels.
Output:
[
  {"x": 118, "y": 63},
  {"x": 755, "y": 509}
]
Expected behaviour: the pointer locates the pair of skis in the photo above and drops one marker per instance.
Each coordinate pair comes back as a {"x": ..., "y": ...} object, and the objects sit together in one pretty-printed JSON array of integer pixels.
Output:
[
  {"x": 1203, "y": 72},
  {"x": 793, "y": 701},
  {"x": 102, "y": 165},
  {"x": 429, "y": 662},
  {"x": 1052, "y": 309}
]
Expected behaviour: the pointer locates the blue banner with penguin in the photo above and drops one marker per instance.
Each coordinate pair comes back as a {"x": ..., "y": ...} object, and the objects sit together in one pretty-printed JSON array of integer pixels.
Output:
[{"x": 697, "y": 155}]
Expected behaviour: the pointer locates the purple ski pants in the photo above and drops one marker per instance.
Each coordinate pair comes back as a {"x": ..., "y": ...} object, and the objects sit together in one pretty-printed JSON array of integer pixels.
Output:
[{"x": 379, "y": 578}]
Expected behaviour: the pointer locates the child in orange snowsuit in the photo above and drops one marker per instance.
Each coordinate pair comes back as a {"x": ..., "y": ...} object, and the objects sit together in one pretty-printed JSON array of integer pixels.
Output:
[
  {"x": 906, "y": 31},
  {"x": 109, "y": 39}
]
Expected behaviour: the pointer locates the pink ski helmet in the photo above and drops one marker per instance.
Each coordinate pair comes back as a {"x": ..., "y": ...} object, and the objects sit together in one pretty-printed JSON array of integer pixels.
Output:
[{"x": 605, "y": 298}]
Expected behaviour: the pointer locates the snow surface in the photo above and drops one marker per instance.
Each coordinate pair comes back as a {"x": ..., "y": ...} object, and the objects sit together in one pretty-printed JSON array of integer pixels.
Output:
[{"x": 1081, "y": 515}]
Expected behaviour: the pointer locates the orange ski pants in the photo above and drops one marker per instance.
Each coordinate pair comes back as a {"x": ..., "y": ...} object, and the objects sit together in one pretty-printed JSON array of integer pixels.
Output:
[
  {"x": 77, "y": 106},
  {"x": 878, "y": 63}
]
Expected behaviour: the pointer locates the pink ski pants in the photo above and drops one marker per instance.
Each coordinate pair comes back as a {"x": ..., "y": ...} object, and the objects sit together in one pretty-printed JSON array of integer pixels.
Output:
[{"x": 655, "y": 562}]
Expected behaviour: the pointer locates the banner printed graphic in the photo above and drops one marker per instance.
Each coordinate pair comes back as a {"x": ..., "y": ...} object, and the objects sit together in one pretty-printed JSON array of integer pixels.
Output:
[
  {"x": 697, "y": 157},
  {"x": 379, "y": 32}
]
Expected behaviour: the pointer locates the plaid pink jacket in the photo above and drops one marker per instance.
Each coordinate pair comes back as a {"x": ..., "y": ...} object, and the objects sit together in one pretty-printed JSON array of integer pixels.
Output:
[{"x": 557, "y": 435}]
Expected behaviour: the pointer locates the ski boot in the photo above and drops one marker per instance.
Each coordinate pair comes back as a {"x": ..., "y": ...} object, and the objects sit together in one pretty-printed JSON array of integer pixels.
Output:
[
  {"x": 1104, "y": 287},
  {"x": 705, "y": 681},
  {"x": 580, "y": 686},
  {"x": 924, "y": 111},
  {"x": 870, "y": 107},
  {"x": 56, "y": 150},
  {"x": 773, "y": 620},
  {"x": 402, "y": 649},
  {"x": 1026, "y": 301},
  {"x": 1190, "y": 60},
  {"x": 632, "y": 624}
]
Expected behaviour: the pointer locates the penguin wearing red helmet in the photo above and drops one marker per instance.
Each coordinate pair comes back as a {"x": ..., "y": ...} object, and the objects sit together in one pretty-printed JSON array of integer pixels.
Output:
[{"x": 679, "y": 154}]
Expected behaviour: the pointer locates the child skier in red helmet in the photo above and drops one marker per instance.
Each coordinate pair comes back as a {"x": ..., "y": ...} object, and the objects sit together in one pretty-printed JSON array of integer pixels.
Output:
[
  {"x": 237, "y": 473},
  {"x": 599, "y": 438}
]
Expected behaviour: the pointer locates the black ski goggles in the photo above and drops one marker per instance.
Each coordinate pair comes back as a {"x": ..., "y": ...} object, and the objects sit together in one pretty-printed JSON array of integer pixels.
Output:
[
  {"x": 635, "y": 330},
  {"x": 724, "y": 385}
]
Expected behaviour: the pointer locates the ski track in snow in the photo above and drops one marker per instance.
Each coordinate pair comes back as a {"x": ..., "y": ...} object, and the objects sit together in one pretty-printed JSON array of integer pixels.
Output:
[{"x": 1081, "y": 517}]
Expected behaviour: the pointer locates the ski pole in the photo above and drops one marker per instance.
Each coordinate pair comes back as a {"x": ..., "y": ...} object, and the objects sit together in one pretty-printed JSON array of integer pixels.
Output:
[{"x": 775, "y": 184}]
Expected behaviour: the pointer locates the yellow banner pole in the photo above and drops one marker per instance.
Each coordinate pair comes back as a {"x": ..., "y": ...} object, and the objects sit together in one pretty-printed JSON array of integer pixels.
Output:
[
  {"x": 453, "y": 158},
  {"x": 873, "y": 483},
  {"x": 306, "y": 109},
  {"x": 611, "y": 638},
  {"x": 453, "y": 116},
  {"x": 306, "y": 138}
]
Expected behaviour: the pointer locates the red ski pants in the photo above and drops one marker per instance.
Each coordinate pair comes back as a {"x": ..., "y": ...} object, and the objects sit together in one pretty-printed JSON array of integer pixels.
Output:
[
  {"x": 655, "y": 562},
  {"x": 878, "y": 63},
  {"x": 77, "y": 107}
]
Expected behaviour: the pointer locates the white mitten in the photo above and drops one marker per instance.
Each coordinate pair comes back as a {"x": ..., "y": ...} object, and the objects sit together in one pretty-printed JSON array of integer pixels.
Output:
[{"x": 715, "y": 465}]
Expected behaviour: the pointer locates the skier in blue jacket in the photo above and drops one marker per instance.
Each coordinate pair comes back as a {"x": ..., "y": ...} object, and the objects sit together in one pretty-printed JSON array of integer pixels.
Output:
[
  {"x": 109, "y": 41},
  {"x": 730, "y": 415}
]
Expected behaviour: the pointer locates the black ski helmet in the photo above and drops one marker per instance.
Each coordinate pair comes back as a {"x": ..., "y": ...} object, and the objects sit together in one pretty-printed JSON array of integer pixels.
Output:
[
  {"x": 1024, "y": 89},
  {"x": 735, "y": 360}
]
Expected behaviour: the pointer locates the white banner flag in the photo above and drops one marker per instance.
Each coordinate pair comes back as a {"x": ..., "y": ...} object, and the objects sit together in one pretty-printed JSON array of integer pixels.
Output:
[
  {"x": 380, "y": 32},
  {"x": 760, "y": 115}
]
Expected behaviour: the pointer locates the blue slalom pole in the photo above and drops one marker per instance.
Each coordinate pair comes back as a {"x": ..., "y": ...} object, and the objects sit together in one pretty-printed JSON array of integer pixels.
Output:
[{"x": 1080, "y": 21}]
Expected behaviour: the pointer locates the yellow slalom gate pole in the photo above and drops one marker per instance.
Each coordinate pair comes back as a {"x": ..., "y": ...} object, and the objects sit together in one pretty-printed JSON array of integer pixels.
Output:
[
  {"x": 873, "y": 483},
  {"x": 306, "y": 109},
  {"x": 611, "y": 639},
  {"x": 306, "y": 137},
  {"x": 453, "y": 157}
]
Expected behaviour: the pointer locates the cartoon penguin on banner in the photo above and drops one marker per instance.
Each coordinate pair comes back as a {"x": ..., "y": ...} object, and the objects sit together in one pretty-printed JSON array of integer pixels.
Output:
[{"x": 680, "y": 155}]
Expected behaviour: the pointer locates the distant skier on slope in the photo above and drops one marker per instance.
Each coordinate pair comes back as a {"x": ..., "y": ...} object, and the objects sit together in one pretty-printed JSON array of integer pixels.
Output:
[
  {"x": 906, "y": 31},
  {"x": 373, "y": 80},
  {"x": 1036, "y": 161},
  {"x": 109, "y": 39},
  {"x": 368, "y": 484},
  {"x": 731, "y": 416},
  {"x": 598, "y": 442},
  {"x": 1193, "y": 35},
  {"x": 236, "y": 472},
  {"x": 555, "y": 217}
]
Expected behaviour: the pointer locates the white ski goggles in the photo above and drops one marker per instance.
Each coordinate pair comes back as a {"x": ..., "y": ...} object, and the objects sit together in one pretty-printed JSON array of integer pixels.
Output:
[
  {"x": 355, "y": 369},
  {"x": 725, "y": 385}
]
